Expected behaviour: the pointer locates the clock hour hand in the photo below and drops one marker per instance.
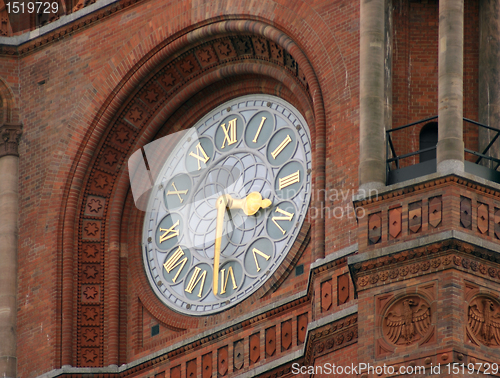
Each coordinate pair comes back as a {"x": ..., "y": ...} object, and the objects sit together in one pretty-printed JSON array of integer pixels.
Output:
[{"x": 250, "y": 205}]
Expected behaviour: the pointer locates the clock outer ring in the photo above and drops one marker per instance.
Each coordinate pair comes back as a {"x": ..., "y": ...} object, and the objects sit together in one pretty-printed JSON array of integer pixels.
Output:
[{"x": 303, "y": 140}]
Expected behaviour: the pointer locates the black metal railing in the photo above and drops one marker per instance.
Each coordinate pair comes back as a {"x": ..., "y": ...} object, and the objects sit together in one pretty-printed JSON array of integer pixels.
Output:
[
  {"x": 392, "y": 156},
  {"x": 394, "y": 159},
  {"x": 482, "y": 155}
]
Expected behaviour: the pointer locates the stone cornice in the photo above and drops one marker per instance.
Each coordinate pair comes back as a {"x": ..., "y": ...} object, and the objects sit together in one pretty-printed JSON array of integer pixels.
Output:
[
  {"x": 10, "y": 134},
  {"x": 456, "y": 252},
  {"x": 414, "y": 186},
  {"x": 66, "y": 25}
]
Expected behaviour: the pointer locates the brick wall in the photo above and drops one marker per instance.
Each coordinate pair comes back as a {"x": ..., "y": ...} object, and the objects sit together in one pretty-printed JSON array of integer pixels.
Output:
[
  {"x": 76, "y": 87},
  {"x": 66, "y": 86}
]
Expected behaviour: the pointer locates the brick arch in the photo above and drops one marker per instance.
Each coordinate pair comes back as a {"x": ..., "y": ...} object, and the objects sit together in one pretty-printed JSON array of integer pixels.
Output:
[
  {"x": 264, "y": 72},
  {"x": 134, "y": 116},
  {"x": 131, "y": 225}
]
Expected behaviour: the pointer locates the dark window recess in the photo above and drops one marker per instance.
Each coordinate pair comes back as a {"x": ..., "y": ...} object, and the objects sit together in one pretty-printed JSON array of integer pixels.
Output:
[
  {"x": 428, "y": 138},
  {"x": 299, "y": 269},
  {"x": 155, "y": 330}
]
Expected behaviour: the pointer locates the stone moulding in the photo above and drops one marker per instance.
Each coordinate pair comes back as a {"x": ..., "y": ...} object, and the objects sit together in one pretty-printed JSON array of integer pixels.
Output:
[
  {"x": 423, "y": 260},
  {"x": 415, "y": 188}
]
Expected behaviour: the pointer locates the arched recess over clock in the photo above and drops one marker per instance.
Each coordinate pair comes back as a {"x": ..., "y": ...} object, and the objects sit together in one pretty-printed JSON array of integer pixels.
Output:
[{"x": 222, "y": 60}]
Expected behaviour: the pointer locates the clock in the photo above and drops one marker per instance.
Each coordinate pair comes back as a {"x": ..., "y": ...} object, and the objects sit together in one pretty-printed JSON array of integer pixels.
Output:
[{"x": 227, "y": 204}]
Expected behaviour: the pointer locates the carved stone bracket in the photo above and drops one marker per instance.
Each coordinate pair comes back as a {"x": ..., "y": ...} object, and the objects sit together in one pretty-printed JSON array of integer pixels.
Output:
[{"x": 10, "y": 134}]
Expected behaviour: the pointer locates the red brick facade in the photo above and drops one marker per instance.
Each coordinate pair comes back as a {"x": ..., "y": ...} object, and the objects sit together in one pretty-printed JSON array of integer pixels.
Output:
[{"x": 93, "y": 91}]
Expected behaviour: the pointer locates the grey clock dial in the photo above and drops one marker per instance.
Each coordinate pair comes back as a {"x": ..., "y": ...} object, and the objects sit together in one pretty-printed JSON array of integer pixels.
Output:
[{"x": 227, "y": 205}]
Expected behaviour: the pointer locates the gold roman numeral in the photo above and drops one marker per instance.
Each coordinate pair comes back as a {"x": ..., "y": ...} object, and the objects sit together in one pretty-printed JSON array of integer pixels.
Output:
[
  {"x": 256, "y": 252},
  {"x": 178, "y": 192},
  {"x": 286, "y": 216},
  {"x": 195, "y": 279},
  {"x": 174, "y": 261},
  {"x": 223, "y": 283},
  {"x": 281, "y": 147},
  {"x": 289, "y": 180},
  {"x": 229, "y": 133},
  {"x": 258, "y": 130},
  {"x": 197, "y": 155},
  {"x": 169, "y": 232}
]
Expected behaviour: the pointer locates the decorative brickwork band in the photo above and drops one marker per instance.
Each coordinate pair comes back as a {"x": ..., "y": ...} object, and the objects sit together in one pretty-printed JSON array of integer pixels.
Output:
[{"x": 10, "y": 134}]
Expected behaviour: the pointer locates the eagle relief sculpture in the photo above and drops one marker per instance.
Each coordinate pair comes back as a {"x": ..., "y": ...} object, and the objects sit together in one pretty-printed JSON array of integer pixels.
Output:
[
  {"x": 484, "y": 320},
  {"x": 407, "y": 321}
]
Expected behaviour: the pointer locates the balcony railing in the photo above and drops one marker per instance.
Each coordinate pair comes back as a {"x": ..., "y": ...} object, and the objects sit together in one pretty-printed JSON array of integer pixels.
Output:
[{"x": 396, "y": 173}]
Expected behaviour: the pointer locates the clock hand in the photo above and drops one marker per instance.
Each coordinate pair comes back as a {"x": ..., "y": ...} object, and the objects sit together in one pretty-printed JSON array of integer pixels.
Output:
[
  {"x": 220, "y": 205},
  {"x": 250, "y": 205}
]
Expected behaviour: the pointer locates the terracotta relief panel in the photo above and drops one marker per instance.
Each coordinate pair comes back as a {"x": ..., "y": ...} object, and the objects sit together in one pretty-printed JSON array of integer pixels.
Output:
[
  {"x": 191, "y": 369},
  {"x": 206, "y": 56},
  {"x": 260, "y": 46},
  {"x": 225, "y": 49},
  {"x": 415, "y": 217},
  {"x": 435, "y": 211},
  {"x": 286, "y": 335},
  {"x": 243, "y": 45},
  {"x": 395, "y": 226},
  {"x": 270, "y": 341},
  {"x": 497, "y": 223},
  {"x": 254, "y": 348},
  {"x": 206, "y": 365},
  {"x": 109, "y": 159},
  {"x": 188, "y": 66},
  {"x": 484, "y": 320},
  {"x": 238, "y": 355},
  {"x": 301, "y": 328},
  {"x": 342, "y": 289},
  {"x": 169, "y": 79},
  {"x": 482, "y": 218},
  {"x": 91, "y": 230},
  {"x": 91, "y": 293},
  {"x": 407, "y": 321},
  {"x": 91, "y": 252},
  {"x": 465, "y": 212},
  {"x": 136, "y": 115},
  {"x": 326, "y": 295},
  {"x": 95, "y": 206},
  {"x": 222, "y": 361},
  {"x": 175, "y": 372},
  {"x": 374, "y": 228}
]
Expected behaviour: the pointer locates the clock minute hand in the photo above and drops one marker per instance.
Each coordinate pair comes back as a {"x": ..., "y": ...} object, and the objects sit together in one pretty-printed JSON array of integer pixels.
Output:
[
  {"x": 250, "y": 205},
  {"x": 220, "y": 205}
]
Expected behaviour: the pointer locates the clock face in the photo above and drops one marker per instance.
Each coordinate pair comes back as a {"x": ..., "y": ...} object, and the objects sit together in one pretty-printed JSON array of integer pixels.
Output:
[{"x": 227, "y": 204}]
